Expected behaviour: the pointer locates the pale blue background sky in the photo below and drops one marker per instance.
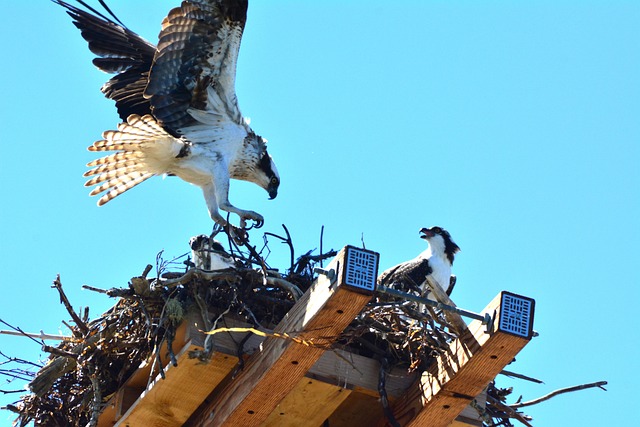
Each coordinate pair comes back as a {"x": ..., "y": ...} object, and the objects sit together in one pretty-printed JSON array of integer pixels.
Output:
[{"x": 512, "y": 124}]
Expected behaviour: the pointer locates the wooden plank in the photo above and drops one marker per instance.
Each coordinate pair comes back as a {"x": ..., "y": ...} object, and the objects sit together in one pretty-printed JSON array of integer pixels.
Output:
[
  {"x": 461, "y": 373},
  {"x": 189, "y": 331},
  {"x": 358, "y": 410},
  {"x": 122, "y": 400},
  {"x": 441, "y": 296},
  {"x": 462, "y": 421},
  {"x": 169, "y": 402},
  {"x": 360, "y": 373},
  {"x": 310, "y": 403},
  {"x": 320, "y": 315},
  {"x": 365, "y": 410}
]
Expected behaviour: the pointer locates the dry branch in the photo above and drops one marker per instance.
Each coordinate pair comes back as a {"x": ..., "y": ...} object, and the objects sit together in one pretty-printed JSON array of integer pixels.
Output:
[
  {"x": 41, "y": 335},
  {"x": 599, "y": 384},
  {"x": 57, "y": 284}
]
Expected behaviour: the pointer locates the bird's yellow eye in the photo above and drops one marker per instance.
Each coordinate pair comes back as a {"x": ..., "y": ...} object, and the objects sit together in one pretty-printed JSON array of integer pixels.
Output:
[{"x": 274, "y": 180}]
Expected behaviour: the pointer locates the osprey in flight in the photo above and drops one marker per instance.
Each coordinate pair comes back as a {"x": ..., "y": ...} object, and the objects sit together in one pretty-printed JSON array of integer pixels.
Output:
[
  {"x": 178, "y": 104},
  {"x": 435, "y": 261}
]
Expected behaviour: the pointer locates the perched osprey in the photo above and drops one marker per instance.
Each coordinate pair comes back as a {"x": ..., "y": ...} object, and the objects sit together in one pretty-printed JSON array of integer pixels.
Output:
[
  {"x": 435, "y": 261},
  {"x": 178, "y": 104}
]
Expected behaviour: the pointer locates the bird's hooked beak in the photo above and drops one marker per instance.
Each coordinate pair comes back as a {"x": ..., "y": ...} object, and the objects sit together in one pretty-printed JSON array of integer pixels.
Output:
[
  {"x": 426, "y": 233},
  {"x": 273, "y": 192}
]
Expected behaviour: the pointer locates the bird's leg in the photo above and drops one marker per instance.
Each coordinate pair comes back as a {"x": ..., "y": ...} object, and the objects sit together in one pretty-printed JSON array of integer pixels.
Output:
[
  {"x": 209, "y": 191},
  {"x": 221, "y": 196}
]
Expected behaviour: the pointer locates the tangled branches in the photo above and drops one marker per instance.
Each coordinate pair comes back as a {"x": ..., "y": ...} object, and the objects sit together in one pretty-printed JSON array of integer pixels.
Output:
[{"x": 85, "y": 370}]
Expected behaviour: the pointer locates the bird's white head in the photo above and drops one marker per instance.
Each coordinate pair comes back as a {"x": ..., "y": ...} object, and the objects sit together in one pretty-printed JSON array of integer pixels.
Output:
[
  {"x": 256, "y": 165},
  {"x": 440, "y": 242}
]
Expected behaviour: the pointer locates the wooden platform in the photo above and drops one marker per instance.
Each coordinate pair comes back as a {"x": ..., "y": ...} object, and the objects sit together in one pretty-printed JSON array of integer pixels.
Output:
[{"x": 287, "y": 383}]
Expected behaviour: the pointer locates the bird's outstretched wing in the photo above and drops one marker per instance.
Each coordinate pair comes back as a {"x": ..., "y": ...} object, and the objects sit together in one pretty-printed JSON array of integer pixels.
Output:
[
  {"x": 119, "y": 51},
  {"x": 143, "y": 149},
  {"x": 195, "y": 63},
  {"x": 178, "y": 103}
]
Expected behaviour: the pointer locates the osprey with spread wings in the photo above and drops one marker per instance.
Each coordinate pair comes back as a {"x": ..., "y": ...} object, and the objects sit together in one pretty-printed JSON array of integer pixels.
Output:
[{"x": 178, "y": 104}]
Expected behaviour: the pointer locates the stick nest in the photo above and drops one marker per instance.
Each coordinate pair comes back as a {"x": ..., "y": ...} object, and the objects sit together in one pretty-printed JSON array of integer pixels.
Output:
[{"x": 85, "y": 371}]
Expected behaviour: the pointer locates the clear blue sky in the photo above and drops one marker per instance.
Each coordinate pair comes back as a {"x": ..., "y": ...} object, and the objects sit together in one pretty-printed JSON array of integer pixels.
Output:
[{"x": 514, "y": 125}]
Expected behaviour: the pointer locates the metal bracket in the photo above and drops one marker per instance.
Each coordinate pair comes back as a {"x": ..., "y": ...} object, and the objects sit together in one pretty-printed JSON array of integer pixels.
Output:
[
  {"x": 330, "y": 274},
  {"x": 486, "y": 319}
]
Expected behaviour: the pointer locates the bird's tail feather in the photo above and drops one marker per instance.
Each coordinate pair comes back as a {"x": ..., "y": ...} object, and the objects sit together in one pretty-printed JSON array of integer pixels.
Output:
[{"x": 119, "y": 172}]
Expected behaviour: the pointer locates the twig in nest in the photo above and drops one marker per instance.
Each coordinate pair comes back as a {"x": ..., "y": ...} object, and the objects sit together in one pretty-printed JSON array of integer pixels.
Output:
[
  {"x": 12, "y": 408},
  {"x": 65, "y": 301},
  {"x": 97, "y": 396},
  {"x": 224, "y": 313},
  {"x": 254, "y": 320},
  {"x": 321, "y": 241},
  {"x": 21, "y": 332},
  {"x": 599, "y": 384},
  {"x": 509, "y": 411},
  {"x": 289, "y": 243},
  {"x": 520, "y": 376},
  {"x": 304, "y": 261},
  {"x": 147, "y": 270},
  {"x": 59, "y": 352},
  {"x": 382, "y": 377},
  {"x": 157, "y": 360},
  {"x": 295, "y": 291},
  {"x": 240, "y": 353},
  {"x": 113, "y": 292},
  {"x": 17, "y": 360},
  {"x": 10, "y": 392},
  {"x": 230, "y": 275},
  {"x": 41, "y": 335},
  {"x": 259, "y": 260}
]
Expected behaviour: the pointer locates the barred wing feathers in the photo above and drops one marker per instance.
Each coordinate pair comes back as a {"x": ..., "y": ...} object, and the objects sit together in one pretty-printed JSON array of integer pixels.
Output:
[
  {"x": 177, "y": 102},
  {"x": 143, "y": 149},
  {"x": 195, "y": 63}
]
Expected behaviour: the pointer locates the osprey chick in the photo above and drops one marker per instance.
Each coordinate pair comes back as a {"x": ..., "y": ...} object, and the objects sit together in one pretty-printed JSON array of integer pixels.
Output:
[
  {"x": 178, "y": 104},
  {"x": 435, "y": 261},
  {"x": 209, "y": 255}
]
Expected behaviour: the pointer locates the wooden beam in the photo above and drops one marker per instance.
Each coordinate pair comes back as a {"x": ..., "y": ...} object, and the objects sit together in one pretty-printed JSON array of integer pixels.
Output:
[
  {"x": 358, "y": 410},
  {"x": 441, "y": 296},
  {"x": 359, "y": 373},
  {"x": 137, "y": 383},
  {"x": 319, "y": 317},
  {"x": 310, "y": 403},
  {"x": 170, "y": 402},
  {"x": 364, "y": 410},
  {"x": 470, "y": 363}
]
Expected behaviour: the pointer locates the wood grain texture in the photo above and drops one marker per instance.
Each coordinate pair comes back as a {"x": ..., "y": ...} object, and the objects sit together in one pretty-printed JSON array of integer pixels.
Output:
[
  {"x": 318, "y": 318},
  {"x": 458, "y": 375},
  {"x": 170, "y": 402},
  {"x": 310, "y": 403}
]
